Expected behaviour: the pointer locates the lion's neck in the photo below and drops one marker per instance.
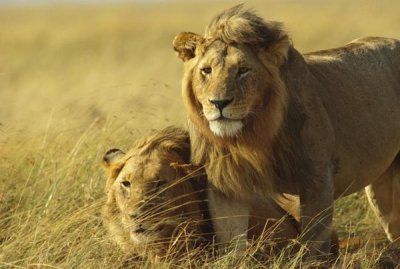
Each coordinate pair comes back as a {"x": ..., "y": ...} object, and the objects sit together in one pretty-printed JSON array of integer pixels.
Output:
[
  {"x": 255, "y": 164},
  {"x": 226, "y": 166}
]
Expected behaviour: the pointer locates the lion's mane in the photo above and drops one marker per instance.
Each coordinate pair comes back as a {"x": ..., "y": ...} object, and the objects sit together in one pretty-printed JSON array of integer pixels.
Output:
[{"x": 267, "y": 149}]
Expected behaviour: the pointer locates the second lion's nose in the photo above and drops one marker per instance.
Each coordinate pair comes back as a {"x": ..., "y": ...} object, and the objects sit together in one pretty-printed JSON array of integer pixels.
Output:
[
  {"x": 221, "y": 104},
  {"x": 140, "y": 230}
]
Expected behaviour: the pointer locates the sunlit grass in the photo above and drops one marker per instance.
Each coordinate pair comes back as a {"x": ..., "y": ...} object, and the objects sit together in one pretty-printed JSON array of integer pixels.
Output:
[{"x": 78, "y": 80}]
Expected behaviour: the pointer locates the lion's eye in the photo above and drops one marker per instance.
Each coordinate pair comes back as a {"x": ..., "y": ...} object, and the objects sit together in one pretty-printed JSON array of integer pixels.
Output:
[
  {"x": 243, "y": 71},
  {"x": 159, "y": 183},
  {"x": 206, "y": 71},
  {"x": 126, "y": 184}
]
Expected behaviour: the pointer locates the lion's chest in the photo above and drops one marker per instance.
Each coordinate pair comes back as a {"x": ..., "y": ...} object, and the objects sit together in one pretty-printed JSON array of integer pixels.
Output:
[{"x": 244, "y": 175}]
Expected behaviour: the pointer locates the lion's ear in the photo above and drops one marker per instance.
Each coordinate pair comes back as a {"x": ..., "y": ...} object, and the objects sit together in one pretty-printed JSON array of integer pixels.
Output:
[
  {"x": 112, "y": 162},
  {"x": 185, "y": 44},
  {"x": 113, "y": 165},
  {"x": 277, "y": 53},
  {"x": 112, "y": 156}
]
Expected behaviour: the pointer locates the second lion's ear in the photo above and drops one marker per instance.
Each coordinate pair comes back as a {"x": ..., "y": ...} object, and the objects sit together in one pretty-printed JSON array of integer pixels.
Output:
[
  {"x": 111, "y": 157},
  {"x": 113, "y": 164},
  {"x": 185, "y": 44}
]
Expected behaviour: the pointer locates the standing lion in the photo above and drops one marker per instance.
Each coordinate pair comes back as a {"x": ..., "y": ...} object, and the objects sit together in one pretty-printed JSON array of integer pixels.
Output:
[{"x": 267, "y": 120}]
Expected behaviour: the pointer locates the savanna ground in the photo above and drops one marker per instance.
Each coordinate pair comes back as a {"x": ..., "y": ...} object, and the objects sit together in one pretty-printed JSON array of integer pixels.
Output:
[{"x": 78, "y": 80}]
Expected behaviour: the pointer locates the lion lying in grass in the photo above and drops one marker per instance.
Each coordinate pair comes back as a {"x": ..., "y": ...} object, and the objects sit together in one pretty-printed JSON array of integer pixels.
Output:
[{"x": 157, "y": 202}]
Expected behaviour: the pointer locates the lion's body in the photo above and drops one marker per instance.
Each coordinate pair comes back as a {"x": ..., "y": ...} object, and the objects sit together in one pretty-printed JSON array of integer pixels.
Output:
[
  {"x": 266, "y": 120},
  {"x": 178, "y": 206},
  {"x": 359, "y": 87},
  {"x": 344, "y": 92}
]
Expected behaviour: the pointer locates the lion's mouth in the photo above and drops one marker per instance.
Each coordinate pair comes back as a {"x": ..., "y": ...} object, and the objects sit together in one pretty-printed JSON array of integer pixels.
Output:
[
  {"x": 147, "y": 231},
  {"x": 226, "y": 127},
  {"x": 222, "y": 119}
]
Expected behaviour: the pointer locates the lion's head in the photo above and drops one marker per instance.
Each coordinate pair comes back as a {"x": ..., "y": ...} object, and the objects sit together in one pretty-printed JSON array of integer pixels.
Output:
[
  {"x": 232, "y": 73},
  {"x": 150, "y": 197}
]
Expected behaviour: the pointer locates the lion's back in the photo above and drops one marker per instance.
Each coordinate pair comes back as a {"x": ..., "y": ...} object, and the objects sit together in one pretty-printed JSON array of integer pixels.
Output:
[
  {"x": 369, "y": 56},
  {"x": 365, "y": 71},
  {"x": 359, "y": 86}
]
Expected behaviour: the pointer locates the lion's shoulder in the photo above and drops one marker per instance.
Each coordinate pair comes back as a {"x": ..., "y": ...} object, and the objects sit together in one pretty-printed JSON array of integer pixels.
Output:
[
  {"x": 367, "y": 48},
  {"x": 375, "y": 42}
]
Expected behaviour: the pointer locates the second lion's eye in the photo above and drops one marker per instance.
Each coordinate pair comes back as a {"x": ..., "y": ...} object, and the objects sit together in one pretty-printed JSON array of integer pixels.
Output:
[
  {"x": 243, "y": 71},
  {"x": 159, "y": 183},
  {"x": 206, "y": 71},
  {"x": 126, "y": 184}
]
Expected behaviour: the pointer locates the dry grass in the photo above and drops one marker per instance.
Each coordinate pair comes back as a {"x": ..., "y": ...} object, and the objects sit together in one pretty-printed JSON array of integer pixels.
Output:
[{"x": 75, "y": 81}]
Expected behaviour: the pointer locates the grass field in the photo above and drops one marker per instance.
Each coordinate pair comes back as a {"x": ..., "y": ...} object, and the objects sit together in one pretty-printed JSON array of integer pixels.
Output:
[{"x": 78, "y": 80}]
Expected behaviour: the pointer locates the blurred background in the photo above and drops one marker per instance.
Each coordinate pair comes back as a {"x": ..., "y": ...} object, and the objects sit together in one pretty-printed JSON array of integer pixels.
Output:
[
  {"x": 80, "y": 77},
  {"x": 67, "y": 64}
]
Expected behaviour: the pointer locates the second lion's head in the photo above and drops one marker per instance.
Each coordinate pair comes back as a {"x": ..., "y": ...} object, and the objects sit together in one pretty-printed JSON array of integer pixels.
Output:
[{"x": 154, "y": 200}]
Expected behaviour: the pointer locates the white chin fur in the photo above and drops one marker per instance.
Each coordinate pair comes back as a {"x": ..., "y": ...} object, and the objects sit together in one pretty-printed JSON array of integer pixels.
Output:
[{"x": 226, "y": 128}]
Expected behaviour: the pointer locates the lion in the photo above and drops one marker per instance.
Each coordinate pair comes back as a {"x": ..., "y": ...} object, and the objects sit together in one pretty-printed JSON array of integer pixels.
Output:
[
  {"x": 157, "y": 202},
  {"x": 266, "y": 120}
]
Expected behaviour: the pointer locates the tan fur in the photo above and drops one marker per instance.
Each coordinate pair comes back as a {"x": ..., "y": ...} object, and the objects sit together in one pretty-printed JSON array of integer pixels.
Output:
[
  {"x": 180, "y": 205},
  {"x": 320, "y": 125},
  {"x": 158, "y": 199}
]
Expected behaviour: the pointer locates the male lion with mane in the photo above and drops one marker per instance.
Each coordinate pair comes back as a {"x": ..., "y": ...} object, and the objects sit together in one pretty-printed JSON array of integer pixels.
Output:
[
  {"x": 157, "y": 202},
  {"x": 266, "y": 120}
]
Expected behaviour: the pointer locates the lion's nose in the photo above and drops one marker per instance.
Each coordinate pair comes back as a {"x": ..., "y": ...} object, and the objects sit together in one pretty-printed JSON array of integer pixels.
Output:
[
  {"x": 221, "y": 104},
  {"x": 140, "y": 230},
  {"x": 134, "y": 215}
]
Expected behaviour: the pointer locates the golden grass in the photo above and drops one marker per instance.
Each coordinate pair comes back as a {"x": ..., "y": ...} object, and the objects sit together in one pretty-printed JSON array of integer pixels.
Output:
[{"x": 77, "y": 80}]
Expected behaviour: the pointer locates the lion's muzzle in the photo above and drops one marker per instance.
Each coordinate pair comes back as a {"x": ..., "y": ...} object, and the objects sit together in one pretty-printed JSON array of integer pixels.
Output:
[{"x": 220, "y": 104}]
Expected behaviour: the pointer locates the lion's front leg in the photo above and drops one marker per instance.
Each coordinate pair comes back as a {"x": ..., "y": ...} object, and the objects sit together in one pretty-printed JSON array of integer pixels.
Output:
[
  {"x": 316, "y": 218},
  {"x": 230, "y": 220}
]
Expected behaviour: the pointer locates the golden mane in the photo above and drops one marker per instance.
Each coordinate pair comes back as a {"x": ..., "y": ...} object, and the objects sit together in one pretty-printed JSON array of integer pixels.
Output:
[
  {"x": 266, "y": 141},
  {"x": 240, "y": 26},
  {"x": 168, "y": 139}
]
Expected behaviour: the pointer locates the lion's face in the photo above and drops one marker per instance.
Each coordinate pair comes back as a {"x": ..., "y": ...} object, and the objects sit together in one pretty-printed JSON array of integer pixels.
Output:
[
  {"x": 141, "y": 198},
  {"x": 150, "y": 197},
  {"x": 229, "y": 84},
  {"x": 232, "y": 73}
]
